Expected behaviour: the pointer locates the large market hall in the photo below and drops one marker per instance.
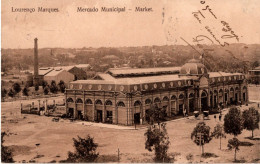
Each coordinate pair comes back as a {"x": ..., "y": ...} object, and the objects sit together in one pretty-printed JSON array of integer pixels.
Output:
[{"x": 125, "y": 95}]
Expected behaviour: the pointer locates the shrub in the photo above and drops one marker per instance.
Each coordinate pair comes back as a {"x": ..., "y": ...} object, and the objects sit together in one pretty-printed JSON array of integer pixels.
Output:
[
  {"x": 85, "y": 150},
  {"x": 6, "y": 154}
]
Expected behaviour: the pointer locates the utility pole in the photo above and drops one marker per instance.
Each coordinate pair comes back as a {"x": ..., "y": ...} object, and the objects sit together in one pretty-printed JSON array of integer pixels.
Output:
[{"x": 118, "y": 152}]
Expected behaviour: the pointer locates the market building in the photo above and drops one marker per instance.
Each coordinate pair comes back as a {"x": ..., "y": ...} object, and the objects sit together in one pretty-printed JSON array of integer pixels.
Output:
[{"x": 124, "y": 95}]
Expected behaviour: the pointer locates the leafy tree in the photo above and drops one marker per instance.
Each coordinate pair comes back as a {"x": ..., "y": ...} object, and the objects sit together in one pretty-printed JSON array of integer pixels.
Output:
[
  {"x": 85, "y": 150},
  {"x": 251, "y": 120},
  {"x": 157, "y": 140},
  {"x": 11, "y": 93},
  {"x": 155, "y": 114},
  {"x": 17, "y": 87},
  {"x": 25, "y": 91},
  {"x": 46, "y": 90},
  {"x": 44, "y": 84},
  {"x": 218, "y": 133},
  {"x": 233, "y": 144},
  {"x": 201, "y": 135},
  {"x": 6, "y": 154},
  {"x": 62, "y": 86},
  {"x": 53, "y": 87},
  {"x": 233, "y": 123}
]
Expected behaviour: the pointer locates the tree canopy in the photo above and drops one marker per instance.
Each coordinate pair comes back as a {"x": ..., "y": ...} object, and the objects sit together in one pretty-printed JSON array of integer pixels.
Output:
[
  {"x": 233, "y": 123},
  {"x": 157, "y": 140},
  {"x": 201, "y": 134},
  {"x": 251, "y": 119},
  {"x": 85, "y": 150}
]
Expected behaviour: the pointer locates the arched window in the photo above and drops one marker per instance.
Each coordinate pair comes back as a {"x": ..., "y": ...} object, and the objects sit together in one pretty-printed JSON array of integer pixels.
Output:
[
  {"x": 137, "y": 103},
  {"x": 79, "y": 100},
  {"x": 203, "y": 94},
  {"x": 237, "y": 89},
  {"x": 157, "y": 100},
  {"x": 99, "y": 102},
  {"x": 165, "y": 99},
  {"x": 191, "y": 95},
  {"x": 181, "y": 96},
  {"x": 244, "y": 88},
  {"x": 231, "y": 90},
  {"x": 220, "y": 91},
  {"x": 148, "y": 101},
  {"x": 215, "y": 92},
  {"x": 70, "y": 100},
  {"x": 121, "y": 104},
  {"x": 88, "y": 101},
  {"x": 109, "y": 103},
  {"x": 173, "y": 97}
]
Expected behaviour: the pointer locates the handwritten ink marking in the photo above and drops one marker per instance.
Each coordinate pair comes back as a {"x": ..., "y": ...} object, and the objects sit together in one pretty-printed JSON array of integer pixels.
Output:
[
  {"x": 213, "y": 35},
  {"x": 202, "y": 2},
  {"x": 227, "y": 28},
  {"x": 209, "y": 9},
  {"x": 195, "y": 14},
  {"x": 201, "y": 38}
]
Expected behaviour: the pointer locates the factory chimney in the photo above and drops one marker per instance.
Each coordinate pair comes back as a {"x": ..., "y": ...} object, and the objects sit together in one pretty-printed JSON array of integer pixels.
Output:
[{"x": 36, "y": 65}]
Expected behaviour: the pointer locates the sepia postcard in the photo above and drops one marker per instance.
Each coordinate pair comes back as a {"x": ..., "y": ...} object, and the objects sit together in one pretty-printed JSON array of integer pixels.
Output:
[{"x": 130, "y": 81}]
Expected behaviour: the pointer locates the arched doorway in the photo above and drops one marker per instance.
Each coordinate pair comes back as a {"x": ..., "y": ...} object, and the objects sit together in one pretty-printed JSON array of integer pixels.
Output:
[
  {"x": 89, "y": 110},
  {"x": 148, "y": 103},
  {"x": 204, "y": 101},
  {"x": 137, "y": 112},
  {"x": 173, "y": 105},
  {"x": 70, "y": 103},
  {"x": 99, "y": 109},
  {"x": 191, "y": 102},
  {"x": 108, "y": 112},
  {"x": 79, "y": 103},
  {"x": 181, "y": 104},
  {"x": 165, "y": 105}
]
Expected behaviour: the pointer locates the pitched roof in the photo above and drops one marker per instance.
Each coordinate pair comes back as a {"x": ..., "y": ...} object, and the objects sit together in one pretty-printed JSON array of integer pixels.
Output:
[
  {"x": 54, "y": 72},
  {"x": 44, "y": 71},
  {"x": 125, "y": 71}
]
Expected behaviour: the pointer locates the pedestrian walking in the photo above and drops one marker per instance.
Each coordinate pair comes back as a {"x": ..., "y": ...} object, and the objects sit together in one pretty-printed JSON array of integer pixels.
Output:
[
  {"x": 220, "y": 115},
  {"x": 184, "y": 112}
]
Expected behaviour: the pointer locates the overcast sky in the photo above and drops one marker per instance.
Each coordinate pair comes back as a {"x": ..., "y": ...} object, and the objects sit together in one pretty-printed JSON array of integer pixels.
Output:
[{"x": 169, "y": 21}]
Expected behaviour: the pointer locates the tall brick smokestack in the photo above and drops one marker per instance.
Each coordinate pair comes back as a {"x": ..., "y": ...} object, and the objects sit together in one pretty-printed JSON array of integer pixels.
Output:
[{"x": 36, "y": 63}]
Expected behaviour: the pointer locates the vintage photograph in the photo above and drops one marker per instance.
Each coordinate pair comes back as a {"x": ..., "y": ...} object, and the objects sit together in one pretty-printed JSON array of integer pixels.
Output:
[{"x": 130, "y": 81}]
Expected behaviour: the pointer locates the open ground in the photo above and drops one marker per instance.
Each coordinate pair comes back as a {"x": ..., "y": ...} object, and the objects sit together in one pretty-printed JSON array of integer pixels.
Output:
[{"x": 39, "y": 139}]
